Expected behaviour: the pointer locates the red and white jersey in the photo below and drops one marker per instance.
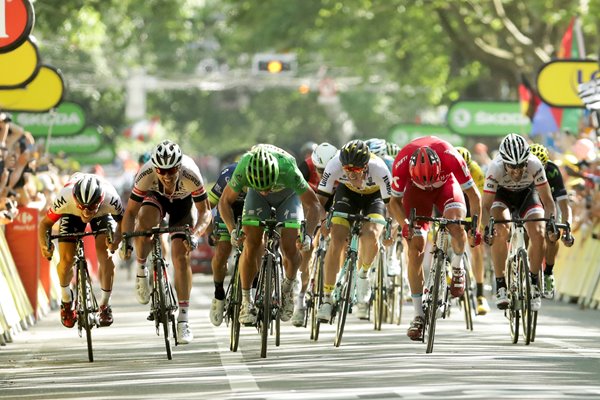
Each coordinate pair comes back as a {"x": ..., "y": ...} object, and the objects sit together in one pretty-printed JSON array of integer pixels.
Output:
[
  {"x": 189, "y": 182},
  {"x": 496, "y": 175},
  {"x": 65, "y": 202},
  {"x": 452, "y": 163}
]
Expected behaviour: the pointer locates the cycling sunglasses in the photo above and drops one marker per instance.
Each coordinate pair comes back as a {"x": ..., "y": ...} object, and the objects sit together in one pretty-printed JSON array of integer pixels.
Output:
[
  {"x": 516, "y": 166},
  {"x": 89, "y": 207},
  {"x": 167, "y": 171},
  {"x": 353, "y": 169}
]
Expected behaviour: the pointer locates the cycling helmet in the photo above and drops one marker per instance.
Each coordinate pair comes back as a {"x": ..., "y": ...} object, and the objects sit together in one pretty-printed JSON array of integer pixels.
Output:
[
  {"x": 540, "y": 152},
  {"x": 377, "y": 147},
  {"x": 322, "y": 154},
  {"x": 392, "y": 149},
  {"x": 465, "y": 153},
  {"x": 262, "y": 170},
  {"x": 514, "y": 149},
  {"x": 144, "y": 158},
  {"x": 167, "y": 154},
  {"x": 355, "y": 154},
  {"x": 88, "y": 191},
  {"x": 425, "y": 167}
]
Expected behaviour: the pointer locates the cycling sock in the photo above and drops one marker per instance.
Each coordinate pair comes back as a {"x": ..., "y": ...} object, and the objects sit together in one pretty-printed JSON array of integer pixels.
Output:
[
  {"x": 246, "y": 296},
  {"x": 184, "y": 305},
  {"x": 66, "y": 294},
  {"x": 327, "y": 298},
  {"x": 417, "y": 300},
  {"x": 327, "y": 289},
  {"x": 548, "y": 269},
  {"x": 300, "y": 300},
  {"x": 105, "y": 299},
  {"x": 457, "y": 261},
  {"x": 500, "y": 283},
  {"x": 219, "y": 291},
  {"x": 287, "y": 284},
  {"x": 479, "y": 290},
  {"x": 534, "y": 278},
  {"x": 142, "y": 271}
]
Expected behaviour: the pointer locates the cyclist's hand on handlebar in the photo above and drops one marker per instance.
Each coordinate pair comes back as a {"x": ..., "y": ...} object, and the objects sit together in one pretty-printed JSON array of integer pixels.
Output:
[
  {"x": 552, "y": 234},
  {"x": 488, "y": 237},
  {"x": 475, "y": 240},
  {"x": 305, "y": 244},
  {"x": 194, "y": 243},
  {"x": 125, "y": 250},
  {"x": 406, "y": 233},
  {"x": 568, "y": 239},
  {"x": 47, "y": 251},
  {"x": 236, "y": 240},
  {"x": 114, "y": 246}
]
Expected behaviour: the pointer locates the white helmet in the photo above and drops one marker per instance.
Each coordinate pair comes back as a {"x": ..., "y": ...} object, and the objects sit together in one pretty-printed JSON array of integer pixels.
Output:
[
  {"x": 166, "y": 154},
  {"x": 322, "y": 154},
  {"x": 377, "y": 146},
  {"x": 514, "y": 149},
  {"x": 88, "y": 191}
]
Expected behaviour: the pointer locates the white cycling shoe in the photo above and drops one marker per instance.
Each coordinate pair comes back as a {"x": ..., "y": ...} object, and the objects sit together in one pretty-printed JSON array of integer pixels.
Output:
[
  {"x": 217, "y": 309},
  {"x": 184, "y": 333},
  {"x": 142, "y": 289}
]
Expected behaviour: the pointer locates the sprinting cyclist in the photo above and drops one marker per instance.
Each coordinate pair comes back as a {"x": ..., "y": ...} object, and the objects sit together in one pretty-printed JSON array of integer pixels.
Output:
[
  {"x": 273, "y": 180},
  {"x": 169, "y": 184},
  {"x": 223, "y": 241},
  {"x": 364, "y": 187},
  {"x": 312, "y": 170},
  {"x": 515, "y": 183},
  {"x": 429, "y": 172},
  {"x": 476, "y": 252},
  {"x": 379, "y": 147},
  {"x": 559, "y": 195},
  {"x": 85, "y": 199}
]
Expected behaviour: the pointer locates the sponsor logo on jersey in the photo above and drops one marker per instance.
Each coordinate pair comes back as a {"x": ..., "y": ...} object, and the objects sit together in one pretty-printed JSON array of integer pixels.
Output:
[
  {"x": 59, "y": 202},
  {"x": 191, "y": 177},
  {"x": 141, "y": 175}
]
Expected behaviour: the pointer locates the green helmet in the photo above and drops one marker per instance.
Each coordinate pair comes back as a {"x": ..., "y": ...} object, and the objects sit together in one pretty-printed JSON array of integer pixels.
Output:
[
  {"x": 262, "y": 170},
  {"x": 465, "y": 153}
]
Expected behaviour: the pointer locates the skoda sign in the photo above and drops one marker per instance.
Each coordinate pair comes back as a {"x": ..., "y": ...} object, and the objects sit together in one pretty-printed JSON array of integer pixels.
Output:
[{"x": 486, "y": 118}]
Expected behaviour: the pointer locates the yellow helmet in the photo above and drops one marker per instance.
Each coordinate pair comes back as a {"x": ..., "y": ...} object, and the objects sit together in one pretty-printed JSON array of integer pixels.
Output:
[
  {"x": 540, "y": 152},
  {"x": 465, "y": 153}
]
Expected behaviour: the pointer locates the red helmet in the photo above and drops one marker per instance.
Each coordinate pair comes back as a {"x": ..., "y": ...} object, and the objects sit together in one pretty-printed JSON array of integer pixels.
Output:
[{"x": 425, "y": 167}]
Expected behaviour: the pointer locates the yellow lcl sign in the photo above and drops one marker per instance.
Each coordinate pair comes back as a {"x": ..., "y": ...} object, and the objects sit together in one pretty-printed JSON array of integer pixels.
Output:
[{"x": 558, "y": 81}]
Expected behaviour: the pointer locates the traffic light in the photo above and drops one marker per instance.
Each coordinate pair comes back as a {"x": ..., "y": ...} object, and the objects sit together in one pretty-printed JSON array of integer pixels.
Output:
[{"x": 273, "y": 64}]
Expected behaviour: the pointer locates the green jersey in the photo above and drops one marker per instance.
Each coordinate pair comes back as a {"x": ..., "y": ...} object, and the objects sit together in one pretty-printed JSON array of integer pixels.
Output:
[{"x": 289, "y": 177}]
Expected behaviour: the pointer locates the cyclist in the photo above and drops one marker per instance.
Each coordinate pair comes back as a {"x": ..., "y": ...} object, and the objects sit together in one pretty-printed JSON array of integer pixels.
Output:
[
  {"x": 429, "y": 172},
  {"x": 476, "y": 252},
  {"x": 364, "y": 187},
  {"x": 380, "y": 149},
  {"x": 85, "y": 198},
  {"x": 168, "y": 184},
  {"x": 392, "y": 149},
  {"x": 559, "y": 194},
  {"x": 222, "y": 240},
  {"x": 312, "y": 170},
  {"x": 273, "y": 180},
  {"x": 515, "y": 183}
]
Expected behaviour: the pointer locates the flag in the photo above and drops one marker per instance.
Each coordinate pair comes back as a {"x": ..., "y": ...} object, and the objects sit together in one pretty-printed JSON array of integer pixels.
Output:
[{"x": 528, "y": 98}]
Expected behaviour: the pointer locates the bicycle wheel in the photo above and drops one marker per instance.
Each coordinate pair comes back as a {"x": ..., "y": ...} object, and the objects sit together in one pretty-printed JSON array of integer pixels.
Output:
[
  {"x": 467, "y": 298},
  {"x": 317, "y": 296},
  {"x": 378, "y": 313},
  {"x": 525, "y": 280},
  {"x": 276, "y": 303},
  {"x": 432, "y": 310},
  {"x": 163, "y": 311},
  {"x": 266, "y": 295},
  {"x": 514, "y": 305},
  {"x": 235, "y": 302},
  {"x": 345, "y": 298},
  {"x": 85, "y": 314}
]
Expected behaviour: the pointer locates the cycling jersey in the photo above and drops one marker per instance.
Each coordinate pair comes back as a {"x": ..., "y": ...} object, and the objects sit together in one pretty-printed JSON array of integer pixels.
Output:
[
  {"x": 451, "y": 161},
  {"x": 497, "y": 176},
  {"x": 309, "y": 172},
  {"x": 65, "y": 202},
  {"x": 477, "y": 175},
  {"x": 377, "y": 178},
  {"x": 555, "y": 180},
  {"x": 217, "y": 190},
  {"x": 189, "y": 182},
  {"x": 289, "y": 176}
]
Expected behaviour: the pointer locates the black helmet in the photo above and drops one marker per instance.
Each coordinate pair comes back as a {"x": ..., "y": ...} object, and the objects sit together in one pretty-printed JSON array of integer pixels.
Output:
[
  {"x": 88, "y": 191},
  {"x": 355, "y": 154}
]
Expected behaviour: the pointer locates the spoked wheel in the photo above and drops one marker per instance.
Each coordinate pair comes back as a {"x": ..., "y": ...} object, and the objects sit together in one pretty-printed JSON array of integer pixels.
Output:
[
  {"x": 266, "y": 294},
  {"x": 235, "y": 302},
  {"x": 514, "y": 305},
  {"x": 277, "y": 299},
  {"x": 534, "y": 326},
  {"x": 345, "y": 298},
  {"x": 316, "y": 298},
  {"x": 467, "y": 299},
  {"x": 163, "y": 308},
  {"x": 378, "y": 312},
  {"x": 85, "y": 312},
  {"x": 432, "y": 310},
  {"x": 399, "y": 284},
  {"x": 525, "y": 281}
]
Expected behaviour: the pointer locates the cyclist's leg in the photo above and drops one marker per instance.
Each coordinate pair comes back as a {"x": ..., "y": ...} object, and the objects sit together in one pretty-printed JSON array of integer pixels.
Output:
[
  {"x": 219, "y": 270},
  {"x": 106, "y": 269},
  {"x": 64, "y": 269},
  {"x": 150, "y": 215},
  {"x": 536, "y": 233},
  {"x": 550, "y": 258},
  {"x": 499, "y": 249}
]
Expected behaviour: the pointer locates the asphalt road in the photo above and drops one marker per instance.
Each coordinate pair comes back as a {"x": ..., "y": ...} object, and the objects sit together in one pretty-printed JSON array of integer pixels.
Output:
[{"x": 50, "y": 362}]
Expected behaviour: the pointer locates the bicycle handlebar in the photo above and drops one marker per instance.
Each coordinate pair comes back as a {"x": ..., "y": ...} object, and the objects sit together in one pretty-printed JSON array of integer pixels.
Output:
[
  {"x": 158, "y": 230},
  {"x": 551, "y": 224},
  {"x": 77, "y": 235},
  {"x": 470, "y": 222},
  {"x": 273, "y": 224},
  {"x": 357, "y": 217}
]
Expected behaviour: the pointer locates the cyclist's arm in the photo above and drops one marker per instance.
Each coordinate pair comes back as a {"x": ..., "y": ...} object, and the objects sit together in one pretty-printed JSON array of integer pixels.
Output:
[
  {"x": 547, "y": 200},
  {"x": 43, "y": 227},
  {"x": 314, "y": 210},
  {"x": 474, "y": 202},
  {"x": 226, "y": 207},
  {"x": 397, "y": 210},
  {"x": 565, "y": 211},
  {"x": 486, "y": 207},
  {"x": 204, "y": 216},
  {"x": 131, "y": 211}
]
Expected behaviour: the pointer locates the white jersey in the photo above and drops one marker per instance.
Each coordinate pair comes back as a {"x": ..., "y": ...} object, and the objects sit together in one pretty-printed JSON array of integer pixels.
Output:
[
  {"x": 189, "y": 182},
  {"x": 65, "y": 202},
  {"x": 497, "y": 176},
  {"x": 378, "y": 178}
]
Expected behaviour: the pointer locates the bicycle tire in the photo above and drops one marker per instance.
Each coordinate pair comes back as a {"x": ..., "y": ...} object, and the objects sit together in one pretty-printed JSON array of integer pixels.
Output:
[
  {"x": 85, "y": 313},
  {"x": 534, "y": 326},
  {"x": 431, "y": 317},
  {"x": 172, "y": 307},
  {"x": 277, "y": 300},
  {"x": 317, "y": 296},
  {"x": 266, "y": 294},
  {"x": 399, "y": 282},
  {"x": 163, "y": 311},
  {"x": 344, "y": 305},
  {"x": 525, "y": 281},
  {"x": 378, "y": 313},
  {"x": 512, "y": 313},
  {"x": 235, "y": 303},
  {"x": 467, "y": 298}
]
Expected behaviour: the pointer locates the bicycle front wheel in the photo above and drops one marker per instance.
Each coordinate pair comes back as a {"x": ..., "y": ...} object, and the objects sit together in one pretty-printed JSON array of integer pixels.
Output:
[
  {"x": 235, "y": 302},
  {"x": 467, "y": 298},
  {"x": 435, "y": 300},
  {"x": 513, "y": 292},
  {"x": 525, "y": 295},
  {"x": 266, "y": 293},
  {"x": 85, "y": 313},
  {"x": 378, "y": 313},
  {"x": 316, "y": 296},
  {"x": 345, "y": 299},
  {"x": 163, "y": 309}
]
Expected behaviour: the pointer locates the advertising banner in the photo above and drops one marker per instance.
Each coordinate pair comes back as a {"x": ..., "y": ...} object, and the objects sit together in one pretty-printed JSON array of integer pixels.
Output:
[{"x": 487, "y": 118}]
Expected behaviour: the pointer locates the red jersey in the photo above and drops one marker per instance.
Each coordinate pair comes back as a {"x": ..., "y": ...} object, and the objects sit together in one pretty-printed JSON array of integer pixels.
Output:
[
  {"x": 452, "y": 163},
  {"x": 313, "y": 178}
]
